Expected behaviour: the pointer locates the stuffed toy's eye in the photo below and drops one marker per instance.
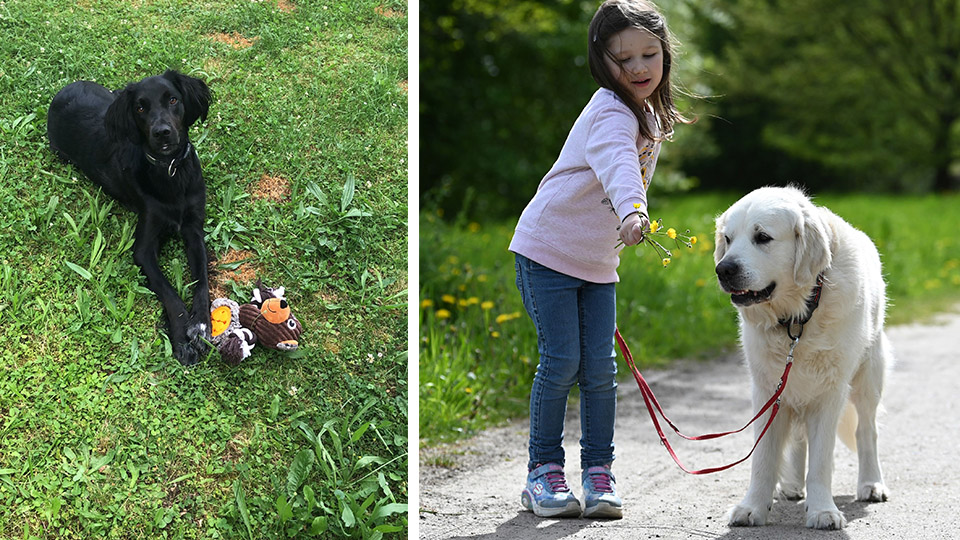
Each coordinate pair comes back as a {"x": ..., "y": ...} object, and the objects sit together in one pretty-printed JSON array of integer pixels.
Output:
[{"x": 292, "y": 324}]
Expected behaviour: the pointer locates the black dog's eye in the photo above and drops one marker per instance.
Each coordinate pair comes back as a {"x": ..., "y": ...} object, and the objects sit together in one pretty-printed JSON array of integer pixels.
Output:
[
  {"x": 174, "y": 101},
  {"x": 140, "y": 109},
  {"x": 762, "y": 238}
]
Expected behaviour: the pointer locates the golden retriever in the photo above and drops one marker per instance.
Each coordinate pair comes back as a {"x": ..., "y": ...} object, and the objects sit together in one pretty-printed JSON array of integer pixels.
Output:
[{"x": 771, "y": 247}]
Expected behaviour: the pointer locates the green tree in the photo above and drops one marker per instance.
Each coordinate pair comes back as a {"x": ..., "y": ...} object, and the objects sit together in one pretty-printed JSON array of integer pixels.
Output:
[
  {"x": 499, "y": 80},
  {"x": 866, "y": 93}
]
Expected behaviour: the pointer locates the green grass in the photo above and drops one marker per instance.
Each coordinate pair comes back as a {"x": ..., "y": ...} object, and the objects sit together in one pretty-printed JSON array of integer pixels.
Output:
[
  {"x": 478, "y": 350},
  {"x": 102, "y": 433}
]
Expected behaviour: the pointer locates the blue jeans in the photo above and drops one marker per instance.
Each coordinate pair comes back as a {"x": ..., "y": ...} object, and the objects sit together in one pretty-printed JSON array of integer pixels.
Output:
[{"x": 575, "y": 322}]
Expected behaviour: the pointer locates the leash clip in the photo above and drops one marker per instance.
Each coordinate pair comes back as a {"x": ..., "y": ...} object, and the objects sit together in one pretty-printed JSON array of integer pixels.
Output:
[{"x": 793, "y": 345}]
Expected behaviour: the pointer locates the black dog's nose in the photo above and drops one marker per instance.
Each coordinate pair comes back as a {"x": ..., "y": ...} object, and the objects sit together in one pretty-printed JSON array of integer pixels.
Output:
[
  {"x": 162, "y": 131},
  {"x": 727, "y": 270}
]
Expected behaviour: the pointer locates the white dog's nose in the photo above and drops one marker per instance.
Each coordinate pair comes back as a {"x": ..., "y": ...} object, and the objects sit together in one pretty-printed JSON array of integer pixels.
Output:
[{"x": 727, "y": 270}]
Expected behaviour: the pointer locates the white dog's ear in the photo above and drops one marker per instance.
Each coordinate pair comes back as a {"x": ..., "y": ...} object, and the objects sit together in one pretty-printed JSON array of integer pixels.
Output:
[
  {"x": 813, "y": 245},
  {"x": 719, "y": 244}
]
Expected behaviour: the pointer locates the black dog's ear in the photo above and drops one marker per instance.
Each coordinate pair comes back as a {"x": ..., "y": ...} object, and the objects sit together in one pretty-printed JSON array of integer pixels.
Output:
[
  {"x": 196, "y": 96},
  {"x": 119, "y": 119}
]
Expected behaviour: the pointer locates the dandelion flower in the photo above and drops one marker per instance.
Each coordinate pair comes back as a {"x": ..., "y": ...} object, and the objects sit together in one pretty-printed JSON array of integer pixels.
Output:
[
  {"x": 473, "y": 300},
  {"x": 666, "y": 261},
  {"x": 449, "y": 298},
  {"x": 486, "y": 306},
  {"x": 494, "y": 334},
  {"x": 426, "y": 303},
  {"x": 693, "y": 239},
  {"x": 654, "y": 226},
  {"x": 672, "y": 233},
  {"x": 504, "y": 317},
  {"x": 443, "y": 314}
]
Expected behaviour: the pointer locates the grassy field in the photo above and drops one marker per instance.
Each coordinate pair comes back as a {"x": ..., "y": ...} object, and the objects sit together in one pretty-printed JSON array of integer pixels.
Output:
[
  {"x": 102, "y": 433},
  {"x": 478, "y": 350}
]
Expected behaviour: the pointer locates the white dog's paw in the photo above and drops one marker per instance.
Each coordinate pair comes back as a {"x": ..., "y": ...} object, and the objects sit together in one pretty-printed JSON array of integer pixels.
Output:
[
  {"x": 873, "y": 492},
  {"x": 826, "y": 520},
  {"x": 790, "y": 492},
  {"x": 744, "y": 515}
]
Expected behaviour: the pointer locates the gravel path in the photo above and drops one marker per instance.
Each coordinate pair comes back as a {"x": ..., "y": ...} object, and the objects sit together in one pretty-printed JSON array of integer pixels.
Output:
[{"x": 479, "y": 495}]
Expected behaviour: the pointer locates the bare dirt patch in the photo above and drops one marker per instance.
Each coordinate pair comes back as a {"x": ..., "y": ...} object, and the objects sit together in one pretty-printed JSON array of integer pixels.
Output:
[
  {"x": 286, "y": 6},
  {"x": 272, "y": 188},
  {"x": 234, "y": 39},
  {"x": 388, "y": 12},
  {"x": 245, "y": 272}
]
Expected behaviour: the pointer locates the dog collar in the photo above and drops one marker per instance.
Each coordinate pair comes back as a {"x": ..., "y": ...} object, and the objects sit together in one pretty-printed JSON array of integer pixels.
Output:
[
  {"x": 174, "y": 163},
  {"x": 812, "y": 302}
]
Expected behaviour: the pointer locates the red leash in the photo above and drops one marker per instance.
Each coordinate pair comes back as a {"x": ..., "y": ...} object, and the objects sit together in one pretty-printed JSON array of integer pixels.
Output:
[{"x": 652, "y": 403}]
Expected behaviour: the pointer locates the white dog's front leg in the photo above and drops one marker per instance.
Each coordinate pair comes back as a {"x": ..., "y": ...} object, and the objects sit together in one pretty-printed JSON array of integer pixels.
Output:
[
  {"x": 822, "y": 512},
  {"x": 765, "y": 464}
]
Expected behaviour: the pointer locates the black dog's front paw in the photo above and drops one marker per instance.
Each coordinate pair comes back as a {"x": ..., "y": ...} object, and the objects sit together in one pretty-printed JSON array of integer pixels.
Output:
[
  {"x": 186, "y": 354},
  {"x": 196, "y": 344}
]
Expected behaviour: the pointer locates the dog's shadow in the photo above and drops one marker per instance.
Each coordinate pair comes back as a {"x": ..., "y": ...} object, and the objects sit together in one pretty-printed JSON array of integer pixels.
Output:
[{"x": 787, "y": 520}]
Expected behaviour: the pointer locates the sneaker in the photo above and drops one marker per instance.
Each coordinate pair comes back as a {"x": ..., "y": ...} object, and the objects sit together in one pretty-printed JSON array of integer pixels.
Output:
[
  {"x": 600, "y": 498},
  {"x": 547, "y": 494}
]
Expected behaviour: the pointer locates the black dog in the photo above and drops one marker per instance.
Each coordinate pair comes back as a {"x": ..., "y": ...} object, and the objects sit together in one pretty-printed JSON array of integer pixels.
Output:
[{"x": 134, "y": 143}]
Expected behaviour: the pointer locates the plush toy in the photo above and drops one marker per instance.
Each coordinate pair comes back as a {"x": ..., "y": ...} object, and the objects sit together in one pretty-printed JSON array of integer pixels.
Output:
[{"x": 266, "y": 320}]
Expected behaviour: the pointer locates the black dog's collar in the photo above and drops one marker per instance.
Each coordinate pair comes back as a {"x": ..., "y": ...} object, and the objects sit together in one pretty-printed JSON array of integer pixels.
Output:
[{"x": 174, "y": 163}]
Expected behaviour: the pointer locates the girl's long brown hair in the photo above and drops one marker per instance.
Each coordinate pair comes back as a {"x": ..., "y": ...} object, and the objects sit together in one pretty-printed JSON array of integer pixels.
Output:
[{"x": 612, "y": 17}]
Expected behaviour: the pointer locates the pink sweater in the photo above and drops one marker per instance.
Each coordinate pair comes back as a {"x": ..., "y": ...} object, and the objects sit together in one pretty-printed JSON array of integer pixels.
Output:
[{"x": 572, "y": 223}]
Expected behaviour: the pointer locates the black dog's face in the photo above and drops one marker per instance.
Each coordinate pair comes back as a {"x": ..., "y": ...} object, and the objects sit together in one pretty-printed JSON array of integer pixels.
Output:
[{"x": 158, "y": 111}]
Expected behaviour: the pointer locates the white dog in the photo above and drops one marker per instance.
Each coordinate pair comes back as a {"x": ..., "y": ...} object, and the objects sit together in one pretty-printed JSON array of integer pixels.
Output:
[{"x": 773, "y": 247}]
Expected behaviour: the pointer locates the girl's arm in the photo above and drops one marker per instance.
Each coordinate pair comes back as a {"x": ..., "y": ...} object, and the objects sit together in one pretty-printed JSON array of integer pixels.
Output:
[{"x": 611, "y": 151}]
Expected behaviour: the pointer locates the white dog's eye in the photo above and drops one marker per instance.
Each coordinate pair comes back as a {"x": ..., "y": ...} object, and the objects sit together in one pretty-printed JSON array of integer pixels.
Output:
[
  {"x": 762, "y": 238},
  {"x": 726, "y": 239}
]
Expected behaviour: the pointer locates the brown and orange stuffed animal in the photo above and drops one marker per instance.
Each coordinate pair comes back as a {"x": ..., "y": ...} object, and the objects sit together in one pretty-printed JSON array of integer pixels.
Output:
[{"x": 266, "y": 320}]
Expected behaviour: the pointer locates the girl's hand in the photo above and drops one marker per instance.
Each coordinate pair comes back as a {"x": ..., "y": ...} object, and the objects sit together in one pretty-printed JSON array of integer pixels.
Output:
[{"x": 633, "y": 227}]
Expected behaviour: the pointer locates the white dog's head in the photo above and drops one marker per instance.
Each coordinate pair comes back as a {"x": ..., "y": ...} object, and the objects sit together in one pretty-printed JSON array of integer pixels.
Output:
[{"x": 770, "y": 244}]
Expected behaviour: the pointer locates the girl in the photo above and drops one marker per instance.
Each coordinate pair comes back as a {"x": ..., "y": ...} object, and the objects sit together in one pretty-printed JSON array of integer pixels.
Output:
[{"x": 593, "y": 197}]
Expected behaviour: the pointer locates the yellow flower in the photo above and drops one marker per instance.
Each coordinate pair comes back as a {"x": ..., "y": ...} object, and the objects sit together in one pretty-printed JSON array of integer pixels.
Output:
[
  {"x": 654, "y": 226},
  {"x": 504, "y": 317},
  {"x": 495, "y": 334},
  {"x": 443, "y": 314},
  {"x": 486, "y": 306},
  {"x": 449, "y": 298},
  {"x": 693, "y": 239},
  {"x": 701, "y": 283},
  {"x": 468, "y": 390},
  {"x": 672, "y": 233},
  {"x": 426, "y": 303},
  {"x": 462, "y": 303},
  {"x": 473, "y": 300},
  {"x": 637, "y": 205},
  {"x": 473, "y": 227},
  {"x": 482, "y": 278},
  {"x": 666, "y": 262}
]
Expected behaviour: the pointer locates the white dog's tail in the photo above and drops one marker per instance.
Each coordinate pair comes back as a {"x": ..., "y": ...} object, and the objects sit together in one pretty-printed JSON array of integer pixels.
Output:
[{"x": 847, "y": 428}]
